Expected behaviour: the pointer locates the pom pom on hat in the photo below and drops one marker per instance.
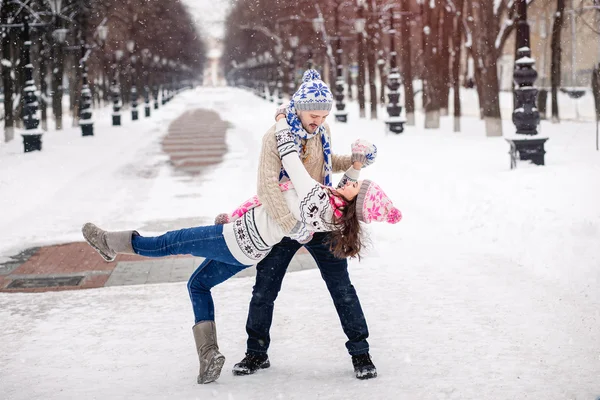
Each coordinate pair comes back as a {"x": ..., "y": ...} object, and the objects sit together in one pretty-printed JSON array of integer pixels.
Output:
[{"x": 310, "y": 75}]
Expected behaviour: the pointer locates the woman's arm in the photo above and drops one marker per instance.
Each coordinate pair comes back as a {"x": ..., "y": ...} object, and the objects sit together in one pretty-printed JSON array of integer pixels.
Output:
[{"x": 314, "y": 200}]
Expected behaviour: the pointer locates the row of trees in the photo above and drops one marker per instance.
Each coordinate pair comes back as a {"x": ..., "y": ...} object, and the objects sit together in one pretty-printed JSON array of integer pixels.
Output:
[
  {"x": 160, "y": 35},
  {"x": 437, "y": 40}
]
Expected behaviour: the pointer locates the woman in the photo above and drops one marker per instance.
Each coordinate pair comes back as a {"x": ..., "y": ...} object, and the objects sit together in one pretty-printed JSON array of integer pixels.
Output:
[{"x": 249, "y": 234}]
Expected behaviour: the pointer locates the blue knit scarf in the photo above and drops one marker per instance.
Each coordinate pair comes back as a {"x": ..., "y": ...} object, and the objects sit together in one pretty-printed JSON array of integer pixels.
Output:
[{"x": 299, "y": 133}]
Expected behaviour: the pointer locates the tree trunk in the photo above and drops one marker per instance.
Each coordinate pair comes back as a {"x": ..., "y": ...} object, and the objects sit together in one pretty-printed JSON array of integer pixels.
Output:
[
  {"x": 7, "y": 83},
  {"x": 444, "y": 50},
  {"x": 43, "y": 84},
  {"x": 57, "y": 87},
  {"x": 556, "y": 56},
  {"x": 456, "y": 56},
  {"x": 491, "y": 109},
  {"x": 361, "y": 59},
  {"x": 431, "y": 64},
  {"x": 406, "y": 62},
  {"x": 372, "y": 45},
  {"x": 382, "y": 79}
]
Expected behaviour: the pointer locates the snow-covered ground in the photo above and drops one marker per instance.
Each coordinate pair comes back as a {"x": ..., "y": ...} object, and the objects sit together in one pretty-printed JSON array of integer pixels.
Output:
[{"x": 488, "y": 288}]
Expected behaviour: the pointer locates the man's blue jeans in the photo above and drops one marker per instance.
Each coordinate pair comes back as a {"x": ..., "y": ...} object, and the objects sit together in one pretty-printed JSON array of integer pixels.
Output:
[
  {"x": 202, "y": 241},
  {"x": 269, "y": 276}
]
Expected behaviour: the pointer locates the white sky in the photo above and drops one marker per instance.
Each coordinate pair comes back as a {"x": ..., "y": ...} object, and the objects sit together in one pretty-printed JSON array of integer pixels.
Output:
[{"x": 209, "y": 15}]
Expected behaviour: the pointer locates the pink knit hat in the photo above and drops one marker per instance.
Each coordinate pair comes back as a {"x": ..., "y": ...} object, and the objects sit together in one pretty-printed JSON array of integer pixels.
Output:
[{"x": 372, "y": 204}]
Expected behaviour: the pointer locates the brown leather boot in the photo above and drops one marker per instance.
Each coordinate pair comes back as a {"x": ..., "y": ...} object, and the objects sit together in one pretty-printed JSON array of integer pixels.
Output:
[{"x": 211, "y": 361}]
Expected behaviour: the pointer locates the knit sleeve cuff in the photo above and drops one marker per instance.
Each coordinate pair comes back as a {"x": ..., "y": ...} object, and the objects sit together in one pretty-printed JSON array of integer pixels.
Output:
[{"x": 287, "y": 222}]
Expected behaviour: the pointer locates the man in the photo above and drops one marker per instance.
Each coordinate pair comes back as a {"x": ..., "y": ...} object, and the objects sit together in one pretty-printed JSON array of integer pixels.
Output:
[{"x": 306, "y": 115}]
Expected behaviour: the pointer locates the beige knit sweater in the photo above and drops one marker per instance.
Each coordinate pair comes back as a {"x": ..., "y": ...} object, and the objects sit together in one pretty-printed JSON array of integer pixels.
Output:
[{"x": 270, "y": 194}]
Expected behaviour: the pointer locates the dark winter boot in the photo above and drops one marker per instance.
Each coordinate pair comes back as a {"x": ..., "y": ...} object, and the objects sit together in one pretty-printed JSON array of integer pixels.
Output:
[
  {"x": 251, "y": 363},
  {"x": 108, "y": 244},
  {"x": 363, "y": 366},
  {"x": 211, "y": 361}
]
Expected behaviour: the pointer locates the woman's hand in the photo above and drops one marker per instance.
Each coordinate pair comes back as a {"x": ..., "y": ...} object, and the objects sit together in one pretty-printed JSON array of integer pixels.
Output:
[
  {"x": 363, "y": 152},
  {"x": 279, "y": 116}
]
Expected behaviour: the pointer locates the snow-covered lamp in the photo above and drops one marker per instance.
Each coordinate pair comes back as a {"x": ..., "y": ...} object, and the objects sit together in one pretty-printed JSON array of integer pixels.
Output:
[
  {"x": 119, "y": 54},
  {"x": 294, "y": 40},
  {"x": 130, "y": 46}
]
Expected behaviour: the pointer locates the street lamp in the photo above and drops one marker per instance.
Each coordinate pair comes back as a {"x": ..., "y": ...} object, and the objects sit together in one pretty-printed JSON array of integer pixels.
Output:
[
  {"x": 525, "y": 146},
  {"x": 395, "y": 123},
  {"x": 116, "y": 90},
  {"x": 133, "y": 92}
]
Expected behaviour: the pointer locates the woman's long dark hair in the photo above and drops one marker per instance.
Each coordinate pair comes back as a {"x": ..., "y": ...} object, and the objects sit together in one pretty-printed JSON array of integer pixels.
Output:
[{"x": 345, "y": 239}]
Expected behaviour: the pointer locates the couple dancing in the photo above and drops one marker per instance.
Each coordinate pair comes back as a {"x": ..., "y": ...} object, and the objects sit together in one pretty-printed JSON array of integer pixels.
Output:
[{"x": 296, "y": 206}]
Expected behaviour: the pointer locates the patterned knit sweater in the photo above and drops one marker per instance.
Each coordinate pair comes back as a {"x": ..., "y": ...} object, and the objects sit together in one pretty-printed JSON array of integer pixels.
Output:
[{"x": 251, "y": 237}]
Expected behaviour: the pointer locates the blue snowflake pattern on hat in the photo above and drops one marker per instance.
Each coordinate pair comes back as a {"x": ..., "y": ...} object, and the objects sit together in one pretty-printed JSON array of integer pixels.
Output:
[{"x": 318, "y": 89}]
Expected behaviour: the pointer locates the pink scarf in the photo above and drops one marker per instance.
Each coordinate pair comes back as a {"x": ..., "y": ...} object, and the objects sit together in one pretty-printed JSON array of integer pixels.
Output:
[{"x": 337, "y": 203}]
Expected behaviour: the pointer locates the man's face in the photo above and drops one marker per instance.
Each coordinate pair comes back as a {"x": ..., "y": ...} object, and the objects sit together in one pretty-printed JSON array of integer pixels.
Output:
[{"x": 311, "y": 120}]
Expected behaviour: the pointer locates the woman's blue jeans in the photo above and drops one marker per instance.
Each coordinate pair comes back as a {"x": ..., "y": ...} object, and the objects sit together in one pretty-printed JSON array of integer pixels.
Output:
[{"x": 202, "y": 241}]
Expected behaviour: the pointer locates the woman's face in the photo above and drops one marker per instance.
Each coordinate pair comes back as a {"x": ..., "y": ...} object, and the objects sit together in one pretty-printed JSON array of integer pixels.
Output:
[{"x": 350, "y": 190}]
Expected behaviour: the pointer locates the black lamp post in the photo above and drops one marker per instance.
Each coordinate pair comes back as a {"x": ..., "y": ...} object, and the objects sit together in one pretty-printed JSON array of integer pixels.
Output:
[
  {"x": 32, "y": 137},
  {"x": 526, "y": 145},
  {"x": 134, "y": 92},
  {"x": 340, "y": 114},
  {"x": 116, "y": 90},
  {"x": 85, "y": 112},
  {"x": 395, "y": 123}
]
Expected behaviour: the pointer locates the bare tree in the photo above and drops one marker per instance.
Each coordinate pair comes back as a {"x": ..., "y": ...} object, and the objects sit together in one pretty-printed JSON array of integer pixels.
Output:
[
  {"x": 456, "y": 57},
  {"x": 406, "y": 63},
  {"x": 556, "y": 56}
]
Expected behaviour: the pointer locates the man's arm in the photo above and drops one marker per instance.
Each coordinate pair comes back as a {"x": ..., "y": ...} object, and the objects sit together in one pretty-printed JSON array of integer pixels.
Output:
[{"x": 269, "y": 193}]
